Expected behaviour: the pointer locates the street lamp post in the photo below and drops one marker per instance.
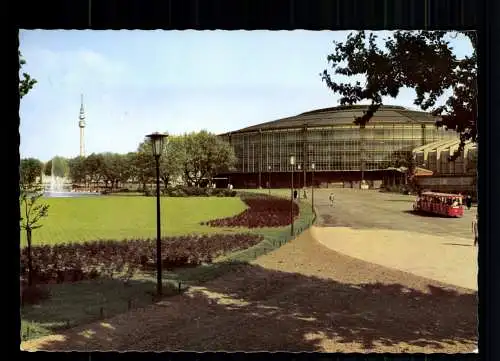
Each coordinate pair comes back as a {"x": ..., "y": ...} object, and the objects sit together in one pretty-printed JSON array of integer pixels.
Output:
[
  {"x": 292, "y": 163},
  {"x": 269, "y": 180},
  {"x": 157, "y": 140},
  {"x": 312, "y": 186}
]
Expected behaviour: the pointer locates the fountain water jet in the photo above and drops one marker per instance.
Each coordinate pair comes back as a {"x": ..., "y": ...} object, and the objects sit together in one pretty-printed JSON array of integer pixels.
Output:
[
  {"x": 58, "y": 186},
  {"x": 57, "y": 175}
]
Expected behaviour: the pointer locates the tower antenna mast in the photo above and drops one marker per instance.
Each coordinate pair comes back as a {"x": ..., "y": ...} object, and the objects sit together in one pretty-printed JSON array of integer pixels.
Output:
[{"x": 81, "y": 125}]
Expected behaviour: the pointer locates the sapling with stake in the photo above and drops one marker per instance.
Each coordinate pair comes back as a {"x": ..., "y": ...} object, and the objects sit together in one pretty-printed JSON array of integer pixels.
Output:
[{"x": 31, "y": 214}]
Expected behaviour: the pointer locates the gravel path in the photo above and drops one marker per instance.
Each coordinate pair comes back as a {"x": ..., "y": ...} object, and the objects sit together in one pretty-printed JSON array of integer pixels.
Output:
[
  {"x": 301, "y": 297},
  {"x": 450, "y": 259}
]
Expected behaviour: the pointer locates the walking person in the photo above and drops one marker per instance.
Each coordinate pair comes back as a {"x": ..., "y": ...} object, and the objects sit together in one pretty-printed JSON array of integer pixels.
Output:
[
  {"x": 474, "y": 230},
  {"x": 331, "y": 199},
  {"x": 468, "y": 201}
]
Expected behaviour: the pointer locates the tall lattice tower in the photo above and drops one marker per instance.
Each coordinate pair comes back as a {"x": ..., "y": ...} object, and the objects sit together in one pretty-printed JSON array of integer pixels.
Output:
[{"x": 81, "y": 124}]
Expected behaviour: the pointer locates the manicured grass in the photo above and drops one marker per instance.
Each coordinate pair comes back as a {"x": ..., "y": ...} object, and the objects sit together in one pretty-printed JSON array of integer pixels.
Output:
[
  {"x": 273, "y": 239},
  {"x": 72, "y": 304},
  {"x": 77, "y": 303},
  {"x": 115, "y": 217}
]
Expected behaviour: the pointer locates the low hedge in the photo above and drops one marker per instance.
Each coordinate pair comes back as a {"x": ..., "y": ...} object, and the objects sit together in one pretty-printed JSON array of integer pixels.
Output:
[{"x": 185, "y": 191}]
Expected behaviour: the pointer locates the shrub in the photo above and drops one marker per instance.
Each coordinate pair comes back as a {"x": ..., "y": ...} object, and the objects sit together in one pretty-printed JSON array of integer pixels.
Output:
[
  {"x": 122, "y": 190},
  {"x": 89, "y": 260},
  {"x": 175, "y": 193},
  {"x": 185, "y": 191},
  {"x": 263, "y": 211}
]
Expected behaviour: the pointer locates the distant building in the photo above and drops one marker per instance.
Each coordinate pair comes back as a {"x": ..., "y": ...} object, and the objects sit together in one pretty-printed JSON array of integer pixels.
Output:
[
  {"x": 435, "y": 157},
  {"x": 343, "y": 153},
  {"x": 458, "y": 176}
]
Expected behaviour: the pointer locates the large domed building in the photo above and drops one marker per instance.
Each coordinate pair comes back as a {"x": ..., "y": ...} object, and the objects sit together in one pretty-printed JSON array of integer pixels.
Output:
[{"x": 341, "y": 151}]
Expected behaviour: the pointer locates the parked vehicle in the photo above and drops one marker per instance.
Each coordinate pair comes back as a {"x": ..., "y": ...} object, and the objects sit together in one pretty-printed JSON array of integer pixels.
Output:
[{"x": 444, "y": 204}]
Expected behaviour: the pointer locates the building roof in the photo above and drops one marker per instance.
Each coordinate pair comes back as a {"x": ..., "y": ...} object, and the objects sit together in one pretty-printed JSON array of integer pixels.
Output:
[
  {"x": 422, "y": 172},
  {"x": 446, "y": 144},
  {"x": 344, "y": 115}
]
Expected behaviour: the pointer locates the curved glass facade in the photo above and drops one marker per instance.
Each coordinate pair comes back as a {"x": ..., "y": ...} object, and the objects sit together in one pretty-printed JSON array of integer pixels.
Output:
[{"x": 333, "y": 148}]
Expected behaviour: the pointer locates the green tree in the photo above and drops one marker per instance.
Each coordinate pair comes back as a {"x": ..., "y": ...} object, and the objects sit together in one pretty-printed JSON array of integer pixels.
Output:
[
  {"x": 76, "y": 169},
  {"x": 31, "y": 210},
  {"x": 94, "y": 167},
  {"x": 171, "y": 161},
  {"x": 59, "y": 167},
  {"x": 144, "y": 167},
  {"x": 206, "y": 154},
  {"x": 31, "y": 213},
  {"x": 26, "y": 82},
  {"x": 47, "y": 168},
  {"x": 130, "y": 170},
  {"x": 30, "y": 169},
  {"x": 113, "y": 167},
  {"x": 422, "y": 60}
]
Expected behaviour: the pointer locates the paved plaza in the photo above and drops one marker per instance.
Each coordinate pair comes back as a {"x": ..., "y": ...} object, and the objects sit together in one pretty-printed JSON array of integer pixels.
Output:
[{"x": 381, "y": 228}]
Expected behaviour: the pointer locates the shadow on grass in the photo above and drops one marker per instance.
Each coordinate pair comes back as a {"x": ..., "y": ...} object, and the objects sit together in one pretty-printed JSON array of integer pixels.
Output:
[
  {"x": 253, "y": 308},
  {"x": 72, "y": 304}
]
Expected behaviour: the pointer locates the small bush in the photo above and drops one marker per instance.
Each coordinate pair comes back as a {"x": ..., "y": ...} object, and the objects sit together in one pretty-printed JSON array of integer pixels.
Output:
[
  {"x": 185, "y": 191},
  {"x": 263, "y": 211},
  {"x": 175, "y": 193},
  {"x": 122, "y": 190},
  {"x": 222, "y": 192},
  {"x": 89, "y": 260}
]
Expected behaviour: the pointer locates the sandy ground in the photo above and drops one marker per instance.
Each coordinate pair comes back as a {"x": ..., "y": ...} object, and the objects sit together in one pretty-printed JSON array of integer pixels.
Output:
[
  {"x": 301, "y": 297},
  {"x": 450, "y": 259}
]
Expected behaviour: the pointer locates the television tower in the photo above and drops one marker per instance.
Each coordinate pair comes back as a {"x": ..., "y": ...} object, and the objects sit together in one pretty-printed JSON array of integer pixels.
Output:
[{"x": 81, "y": 124}]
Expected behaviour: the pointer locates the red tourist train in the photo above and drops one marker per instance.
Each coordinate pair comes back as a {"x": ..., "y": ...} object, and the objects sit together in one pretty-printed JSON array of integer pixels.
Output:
[{"x": 444, "y": 204}]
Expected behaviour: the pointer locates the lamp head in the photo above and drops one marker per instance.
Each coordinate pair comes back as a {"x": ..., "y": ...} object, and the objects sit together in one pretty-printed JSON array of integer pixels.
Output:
[{"x": 157, "y": 142}]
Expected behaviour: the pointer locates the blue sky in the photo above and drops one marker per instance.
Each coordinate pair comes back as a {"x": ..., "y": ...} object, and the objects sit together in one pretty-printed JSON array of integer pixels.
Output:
[{"x": 138, "y": 82}]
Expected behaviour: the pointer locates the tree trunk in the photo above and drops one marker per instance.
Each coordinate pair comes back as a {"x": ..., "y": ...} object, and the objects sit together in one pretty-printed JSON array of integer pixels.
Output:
[
  {"x": 30, "y": 261},
  {"x": 165, "y": 181}
]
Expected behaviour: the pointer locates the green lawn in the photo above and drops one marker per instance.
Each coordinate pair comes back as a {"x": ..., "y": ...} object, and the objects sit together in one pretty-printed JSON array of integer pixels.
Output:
[{"x": 115, "y": 217}]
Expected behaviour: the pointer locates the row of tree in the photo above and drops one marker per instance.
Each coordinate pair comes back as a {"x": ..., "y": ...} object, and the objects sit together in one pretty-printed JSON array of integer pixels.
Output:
[{"x": 191, "y": 158}]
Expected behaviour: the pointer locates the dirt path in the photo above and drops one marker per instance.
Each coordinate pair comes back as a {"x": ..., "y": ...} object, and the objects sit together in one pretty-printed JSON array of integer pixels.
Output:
[
  {"x": 451, "y": 260},
  {"x": 302, "y": 297}
]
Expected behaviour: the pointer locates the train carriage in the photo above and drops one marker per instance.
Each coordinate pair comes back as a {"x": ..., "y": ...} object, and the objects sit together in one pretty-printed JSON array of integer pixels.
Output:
[{"x": 444, "y": 204}]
